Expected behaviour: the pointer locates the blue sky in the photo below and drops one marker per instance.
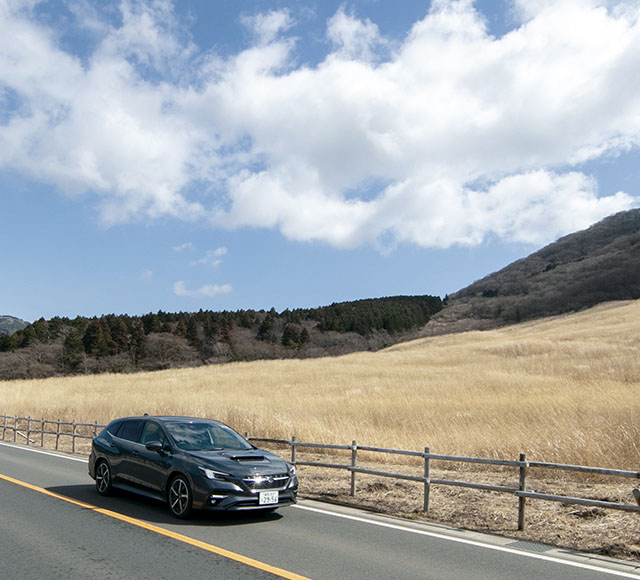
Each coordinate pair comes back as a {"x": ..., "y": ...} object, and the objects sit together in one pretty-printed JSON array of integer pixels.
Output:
[{"x": 228, "y": 155}]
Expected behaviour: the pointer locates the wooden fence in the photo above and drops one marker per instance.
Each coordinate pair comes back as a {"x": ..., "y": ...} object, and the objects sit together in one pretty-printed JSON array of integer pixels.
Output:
[
  {"x": 33, "y": 431},
  {"x": 521, "y": 465}
]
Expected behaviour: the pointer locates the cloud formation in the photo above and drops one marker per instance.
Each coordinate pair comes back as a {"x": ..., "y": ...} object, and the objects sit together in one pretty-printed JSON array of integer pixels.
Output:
[
  {"x": 212, "y": 258},
  {"x": 207, "y": 291},
  {"x": 449, "y": 136}
]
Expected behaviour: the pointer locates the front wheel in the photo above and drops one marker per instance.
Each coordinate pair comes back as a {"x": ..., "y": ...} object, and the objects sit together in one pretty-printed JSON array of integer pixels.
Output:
[
  {"x": 180, "y": 497},
  {"x": 103, "y": 478}
]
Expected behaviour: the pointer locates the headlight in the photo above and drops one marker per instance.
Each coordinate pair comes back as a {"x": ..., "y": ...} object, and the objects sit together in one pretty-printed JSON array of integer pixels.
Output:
[
  {"x": 292, "y": 469},
  {"x": 211, "y": 474}
]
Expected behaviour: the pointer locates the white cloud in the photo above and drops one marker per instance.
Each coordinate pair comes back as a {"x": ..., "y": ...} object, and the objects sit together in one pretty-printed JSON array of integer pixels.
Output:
[
  {"x": 207, "y": 291},
  {"x": 146, "y": 275},
  {"x": 267, "y": 26},
  {"x": 353, "y": 38},
  {"x": 183, "y": 247},
  {"x": 211, "y": 258},
  {"x": 352, "y": 151}
]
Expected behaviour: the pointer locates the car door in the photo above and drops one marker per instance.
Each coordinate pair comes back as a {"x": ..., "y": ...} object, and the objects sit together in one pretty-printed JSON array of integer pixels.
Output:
[
  {"x": 127, "y": 443},
  {"x": 152, "y": 466}
]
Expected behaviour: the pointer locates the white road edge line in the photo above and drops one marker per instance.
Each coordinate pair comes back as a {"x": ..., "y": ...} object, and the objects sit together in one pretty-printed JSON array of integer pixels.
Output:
[
  {"x": 410, "y": 530},
  {"x": 476, "y": 543},
  {"x": 43, "y": 452}
]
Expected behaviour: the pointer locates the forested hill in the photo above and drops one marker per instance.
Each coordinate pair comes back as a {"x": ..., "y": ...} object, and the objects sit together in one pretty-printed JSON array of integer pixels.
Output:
[
  {"x": 162, "y": 340},
  {"x": 599, "y": 264},
  {"x": 595, "y": 265},
  {"x": 9, "y": 324}
]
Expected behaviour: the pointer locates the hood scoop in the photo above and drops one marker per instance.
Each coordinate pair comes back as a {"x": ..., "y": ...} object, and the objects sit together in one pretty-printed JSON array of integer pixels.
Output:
[{"x": 247, "y": 457}]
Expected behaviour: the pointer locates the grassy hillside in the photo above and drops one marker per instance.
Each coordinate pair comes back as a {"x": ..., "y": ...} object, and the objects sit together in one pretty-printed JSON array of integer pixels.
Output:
[{"x": 560, "y": 389}]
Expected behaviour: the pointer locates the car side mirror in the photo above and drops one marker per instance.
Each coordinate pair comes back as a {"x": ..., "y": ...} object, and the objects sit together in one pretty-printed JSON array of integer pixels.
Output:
[{"x": 156, "y": 446}]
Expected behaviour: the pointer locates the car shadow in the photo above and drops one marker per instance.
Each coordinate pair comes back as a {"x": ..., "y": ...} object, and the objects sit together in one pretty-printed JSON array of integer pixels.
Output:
[{"x": 151, "y": 510}]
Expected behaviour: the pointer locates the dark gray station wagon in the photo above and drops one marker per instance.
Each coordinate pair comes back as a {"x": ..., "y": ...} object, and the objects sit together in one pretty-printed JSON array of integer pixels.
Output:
[{"x": 190, "y": 463}]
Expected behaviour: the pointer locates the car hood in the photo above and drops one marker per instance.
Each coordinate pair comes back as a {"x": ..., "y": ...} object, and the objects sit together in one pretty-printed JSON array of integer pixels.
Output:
[{"x": 242, "y": 463}]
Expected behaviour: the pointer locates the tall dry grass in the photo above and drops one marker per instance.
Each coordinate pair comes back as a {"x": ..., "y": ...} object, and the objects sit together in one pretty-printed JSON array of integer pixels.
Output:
[{"x": 563, "y": 389}]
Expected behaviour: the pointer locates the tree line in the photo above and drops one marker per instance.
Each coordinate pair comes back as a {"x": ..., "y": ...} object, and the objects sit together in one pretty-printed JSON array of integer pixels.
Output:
[{"x": 123, "y": 343}]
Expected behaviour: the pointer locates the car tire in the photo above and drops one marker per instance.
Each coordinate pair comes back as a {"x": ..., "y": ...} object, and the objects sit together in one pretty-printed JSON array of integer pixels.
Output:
[
  {"x": 103, "y": 478},
  {"x": 180, "y": 497}
]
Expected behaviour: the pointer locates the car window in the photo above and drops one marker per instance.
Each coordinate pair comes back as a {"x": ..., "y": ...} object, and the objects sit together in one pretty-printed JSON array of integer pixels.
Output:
[
  {"x": 131, "y": 430},
  {"x": 205, "y": 437},
  {"x": 114, "y": 427},
  {"x": 153, "y": 432}
]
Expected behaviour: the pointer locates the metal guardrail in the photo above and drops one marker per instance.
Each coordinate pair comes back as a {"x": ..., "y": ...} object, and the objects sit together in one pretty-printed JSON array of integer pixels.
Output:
[{"x": 26, "y": 427}]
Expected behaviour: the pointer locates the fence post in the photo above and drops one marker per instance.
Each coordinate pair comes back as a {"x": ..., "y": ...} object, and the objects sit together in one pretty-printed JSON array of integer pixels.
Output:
[
  {"x": 354, "y": 463},
  {"x": 95, "y": 428},
  {"x": 15, "y": 428},
  {"x": 4, "y": 426},
  {"x": 427, "y": 479},
  {"x": 42, "y": 432},
  {"x": 294, "y": 455},
  {"x": 57, "y": 433},
  {"x": 522, "y": 486},
  {"x": 73, "y": 438}
]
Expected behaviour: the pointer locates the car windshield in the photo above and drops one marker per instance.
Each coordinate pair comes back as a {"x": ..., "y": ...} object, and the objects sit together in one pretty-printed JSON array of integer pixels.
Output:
[{"x": 205, "y": 437}]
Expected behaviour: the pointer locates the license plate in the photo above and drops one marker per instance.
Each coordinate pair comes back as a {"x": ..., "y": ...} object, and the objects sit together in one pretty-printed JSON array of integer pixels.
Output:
[{"x": 268, "y": 497}]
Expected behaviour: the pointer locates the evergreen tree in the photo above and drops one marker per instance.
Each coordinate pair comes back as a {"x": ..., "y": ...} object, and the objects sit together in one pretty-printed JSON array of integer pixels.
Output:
[
  {"x": 93, "y": 340},
  {"x": 73, "y": 353},
  {"x": 192, "y": 335},
  {"x": 119, "y": 333},
  {"x": 8, "y": 342},
  {"x": 266, "y": 331},
  {"x": 181, "y": 327},
  {"x": 151, "y": 323},
  {"x": 137, "y": 343},
  {"x": 27, "y": 336},
  {"x": 110, "y": 346},
  {"x": 40, "y": 328},
  {"x": 290, "y": 337}
]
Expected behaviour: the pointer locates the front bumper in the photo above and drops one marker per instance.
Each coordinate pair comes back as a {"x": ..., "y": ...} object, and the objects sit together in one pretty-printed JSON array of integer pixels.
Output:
[
  {"x": 219, "y": 495},
  {"x": 218, "y": 502}
]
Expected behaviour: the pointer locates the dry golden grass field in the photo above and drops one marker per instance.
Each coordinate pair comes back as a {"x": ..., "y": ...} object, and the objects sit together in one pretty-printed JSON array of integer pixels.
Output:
[{"x": 563, "y": 389}]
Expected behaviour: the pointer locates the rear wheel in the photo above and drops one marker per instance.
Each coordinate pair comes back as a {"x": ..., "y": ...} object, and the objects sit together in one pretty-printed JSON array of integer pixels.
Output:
[
  {"x": 179, "y": 497},
  {"x": 103, "y": 478}
]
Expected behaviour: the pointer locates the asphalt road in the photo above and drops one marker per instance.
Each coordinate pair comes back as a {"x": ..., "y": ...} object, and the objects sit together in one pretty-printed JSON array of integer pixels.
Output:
[{"x": 54, "y": 525}]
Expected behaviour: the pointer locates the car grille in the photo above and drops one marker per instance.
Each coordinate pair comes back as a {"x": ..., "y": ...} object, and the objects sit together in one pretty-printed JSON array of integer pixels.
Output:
[{"x": 266, "y": 481}]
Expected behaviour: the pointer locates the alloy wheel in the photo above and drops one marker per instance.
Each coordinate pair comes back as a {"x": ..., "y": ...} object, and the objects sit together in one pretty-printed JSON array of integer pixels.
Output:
[
  {"x": 179, "y": 498},
  {"x": 103, "y": 478}
]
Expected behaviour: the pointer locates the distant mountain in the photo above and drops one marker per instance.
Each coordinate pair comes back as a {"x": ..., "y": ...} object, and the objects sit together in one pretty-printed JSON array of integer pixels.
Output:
[
  {"x": 599, "y": 264},
  {"x": 9, "y": 324}
]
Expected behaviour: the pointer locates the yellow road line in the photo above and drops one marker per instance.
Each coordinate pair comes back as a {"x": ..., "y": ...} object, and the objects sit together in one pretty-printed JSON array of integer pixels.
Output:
[{"x": 158, "y": 530}]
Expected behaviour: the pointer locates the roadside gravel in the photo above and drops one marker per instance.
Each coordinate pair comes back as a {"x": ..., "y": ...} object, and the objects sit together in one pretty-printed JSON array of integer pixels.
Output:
[{"x": 606, "y": 532}]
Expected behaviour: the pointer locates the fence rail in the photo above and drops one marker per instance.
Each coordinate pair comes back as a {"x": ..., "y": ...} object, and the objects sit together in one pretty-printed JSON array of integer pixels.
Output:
[
  {"x": 26, "y": 427},
  {"x": 521, "y": 464}
]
